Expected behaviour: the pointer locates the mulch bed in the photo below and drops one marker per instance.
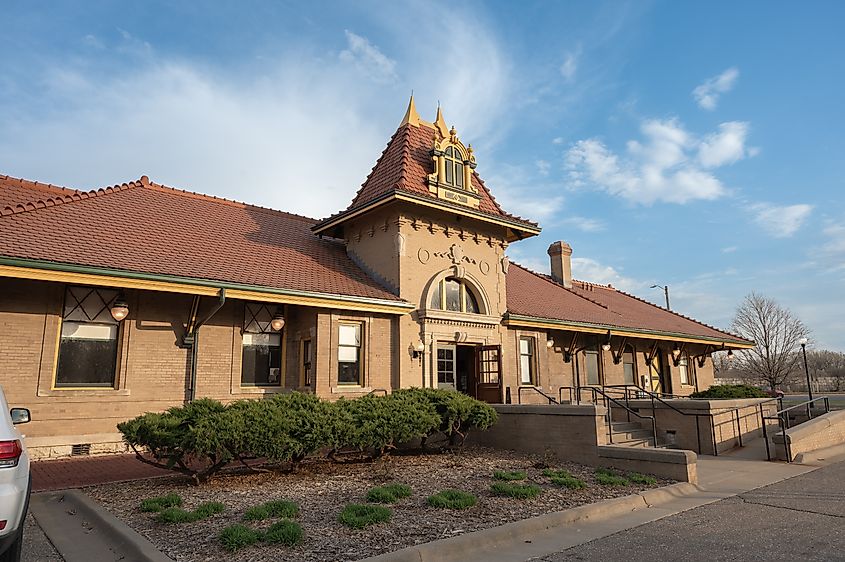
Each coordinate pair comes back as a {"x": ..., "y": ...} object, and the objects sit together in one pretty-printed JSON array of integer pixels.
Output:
[{"x": 322, "y": 489}]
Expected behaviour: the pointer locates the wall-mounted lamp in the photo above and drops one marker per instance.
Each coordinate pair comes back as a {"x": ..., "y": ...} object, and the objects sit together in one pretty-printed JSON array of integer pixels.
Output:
[
  {"x": 676, "y": 352},
  {"x": 550, "y": 343},
  {"x": 278, "y": 321},
  {"x": 119, "y": 309},
  {"x": 417, "y": 350},
  {"x": 730, "y": 355}
]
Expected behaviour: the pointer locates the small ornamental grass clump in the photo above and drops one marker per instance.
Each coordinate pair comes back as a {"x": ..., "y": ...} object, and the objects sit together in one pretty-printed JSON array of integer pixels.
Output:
[
  {"x": 517, "y": 491},
  {"x": 275, "y": 508},
  {"x": 452, "y": 499},
  {"x": 391, "y": 493},
  {"x": 172, "y": 515},
  {"x": 288, "y": 533},
  {"x": 359, "y": 516},
  {"x": 161, "y": 502},
  {"x": 564, "y": 479},
  {"x": 607, "y": 477},
  {"x": 236, "y": 537},
  {"x": 642, "y": 478},
  {"x": 509, "y": 475}
]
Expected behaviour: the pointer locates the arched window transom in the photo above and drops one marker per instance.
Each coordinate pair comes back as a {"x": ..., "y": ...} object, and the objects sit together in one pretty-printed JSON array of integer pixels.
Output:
[
  {"x": 454, "y": 162},
  {"x": 454, "y": 295}
]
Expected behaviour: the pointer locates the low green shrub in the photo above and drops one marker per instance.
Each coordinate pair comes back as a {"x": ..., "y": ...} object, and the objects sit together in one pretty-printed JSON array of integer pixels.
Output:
[
  {"x": 517, "y": 491},
  {"x": 173, "y": 515},
  {"x": 642, "y": 478},
  {"x": 457, "y": 413},
  {"x": 236, "y": 537},
  {"x": 607, "y": 477},
  {"x": 274, "y": 508},
  {"x": 391, "y": 493},
  {"x": 359, "y": 516},
  {"x": 161, "y": 502},
  {"x": 452, "y": 499},
  {"x": 564, "y": 478},
  {"x": 508, "y": 475},
  {"x": 730, "y": 391},
  {"x": 288, "y": 533}
]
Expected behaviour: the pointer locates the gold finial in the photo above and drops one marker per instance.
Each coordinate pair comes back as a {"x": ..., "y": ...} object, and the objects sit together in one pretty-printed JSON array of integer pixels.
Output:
[
  {"x": 453, "y": 133},
  {"x": 411, "y": 115},
  {"x": 440, "y": 123}
]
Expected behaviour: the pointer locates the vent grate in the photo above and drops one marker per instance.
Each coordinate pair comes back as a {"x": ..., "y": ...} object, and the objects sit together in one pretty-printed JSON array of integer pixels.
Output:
[{"x": 80, "y": 449}]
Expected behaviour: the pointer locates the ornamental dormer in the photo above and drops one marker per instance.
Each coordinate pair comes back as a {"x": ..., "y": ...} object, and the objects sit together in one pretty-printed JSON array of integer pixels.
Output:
[{"x": 453, "y": 164}]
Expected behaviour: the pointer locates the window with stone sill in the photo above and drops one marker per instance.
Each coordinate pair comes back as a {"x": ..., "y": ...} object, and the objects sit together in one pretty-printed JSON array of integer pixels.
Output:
[
  {"x": 88, "y": 344},
  {"x": 349, "y": 353},
  {"x": 527, "y": 360},
  {"x": 592, "y": 366},
  {"x": 454, "y": 295},
  {"x": 629, "y": 366},
  {"x": 686, "y": 374},
  {"x": 261, "y": 358}
]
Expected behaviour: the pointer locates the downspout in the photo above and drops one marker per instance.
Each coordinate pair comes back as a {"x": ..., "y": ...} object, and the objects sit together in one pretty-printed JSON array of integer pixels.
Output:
[{"x": 192, "y": 338}]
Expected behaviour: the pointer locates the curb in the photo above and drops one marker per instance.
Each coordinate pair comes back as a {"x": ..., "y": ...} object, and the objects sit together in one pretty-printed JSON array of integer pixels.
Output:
[
  {"x": 458, "y": 548},
  {"x": 82, "y": 530}
]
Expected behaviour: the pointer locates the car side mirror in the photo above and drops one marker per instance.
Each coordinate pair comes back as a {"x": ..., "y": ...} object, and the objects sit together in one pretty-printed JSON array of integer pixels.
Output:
[{"x": 19, "y": 415}]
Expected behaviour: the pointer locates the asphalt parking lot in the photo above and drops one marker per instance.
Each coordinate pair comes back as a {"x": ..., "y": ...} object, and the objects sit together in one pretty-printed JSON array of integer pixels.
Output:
[{"x": 802, "y": 518}]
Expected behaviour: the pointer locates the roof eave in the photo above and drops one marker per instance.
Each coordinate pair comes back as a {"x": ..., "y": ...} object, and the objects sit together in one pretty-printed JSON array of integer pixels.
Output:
[
  {"x": 518, "y": 229},
  {"x": 599, "y": 328},
  {"x": 42, "y": 270}
]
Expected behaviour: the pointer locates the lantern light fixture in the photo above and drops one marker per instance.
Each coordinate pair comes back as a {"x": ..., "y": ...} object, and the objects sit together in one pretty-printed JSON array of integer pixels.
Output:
[
  {"x": 676, "y": 352},
  {"x": 119, "y": 308},
  {"x": 550, "y": 343},
  {"x": 278, "y": 321}
]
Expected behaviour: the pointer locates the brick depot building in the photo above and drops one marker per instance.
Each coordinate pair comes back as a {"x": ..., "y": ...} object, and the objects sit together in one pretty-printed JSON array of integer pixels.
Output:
[{"x": 410, "y": 286}]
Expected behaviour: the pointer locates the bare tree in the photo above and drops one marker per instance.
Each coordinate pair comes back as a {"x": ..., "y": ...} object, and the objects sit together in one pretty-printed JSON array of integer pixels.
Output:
[
  {"x": 827, "y": 367},
  {"x": 776, "y": 332}
]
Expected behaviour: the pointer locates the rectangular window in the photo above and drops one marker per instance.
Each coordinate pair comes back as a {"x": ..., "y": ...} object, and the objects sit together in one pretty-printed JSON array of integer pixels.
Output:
[
  {"x": 88, "y": 343},
  {"x": 684, "y": 369},
  {"x": 446, "y": 366},
  {"x": 262, "y": 360},
  {"x": 630, "y": 371},
  {"x": 591, "y": 365},
  {"x": 305, "y": 363},
  {"x": 349, "y": 354},
  {"x": 526, "y": 360}
]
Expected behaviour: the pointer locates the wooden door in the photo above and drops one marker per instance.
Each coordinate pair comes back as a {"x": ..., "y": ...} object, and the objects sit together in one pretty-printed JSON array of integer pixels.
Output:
[{"x": 489, "y": 381}]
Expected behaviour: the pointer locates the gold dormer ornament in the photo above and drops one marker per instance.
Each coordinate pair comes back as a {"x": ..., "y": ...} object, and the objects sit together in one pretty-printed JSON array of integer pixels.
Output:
[{"x": 453, "y": 166}]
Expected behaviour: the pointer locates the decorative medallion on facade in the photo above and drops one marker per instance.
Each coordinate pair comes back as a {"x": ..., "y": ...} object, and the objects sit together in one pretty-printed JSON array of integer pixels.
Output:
[{"x": 453, "y": 166}]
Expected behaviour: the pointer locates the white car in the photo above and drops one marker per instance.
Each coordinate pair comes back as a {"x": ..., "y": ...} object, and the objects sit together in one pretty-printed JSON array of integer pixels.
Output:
[{"x": 15, "y": 482}]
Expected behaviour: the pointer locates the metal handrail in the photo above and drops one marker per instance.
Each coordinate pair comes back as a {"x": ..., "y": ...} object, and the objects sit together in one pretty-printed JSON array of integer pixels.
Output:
[
  {"x": 519, "y": 390},
  {"x": 571, "y": 390},
  {"x": 608, "y": 415},
  {"x": 782, "y": 417},
  {"x": 376, "y": 390}
]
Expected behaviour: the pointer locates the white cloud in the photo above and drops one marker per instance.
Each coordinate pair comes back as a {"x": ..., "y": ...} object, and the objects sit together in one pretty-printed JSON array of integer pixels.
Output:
[
  {"x": 570, "y": 64},
  {"x": 543, "y": 167},
  {"x": 707, "y": 94},
  {"x": 522, "y": 191},
  {"x": 781, "y": 221},
  {"x": 729, "y": 250},
  {"x": 368, "y": 58},
  {"x": 668, "y": 165},
  {"x": 558, "y": 140},
  {"x": 725, "y": 147},
  {"x": 584, "y": 224},
  {"x": 587, "y": 269},
  {"x": 298, "y": 133}
]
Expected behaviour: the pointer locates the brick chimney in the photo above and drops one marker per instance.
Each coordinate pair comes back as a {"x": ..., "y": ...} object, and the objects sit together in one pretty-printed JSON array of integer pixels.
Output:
[{"x": 560, "y": 255}]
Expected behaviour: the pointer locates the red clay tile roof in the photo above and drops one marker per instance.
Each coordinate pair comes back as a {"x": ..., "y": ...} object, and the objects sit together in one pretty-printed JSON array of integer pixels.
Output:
[
  {"x": 149, "y": 228},
  {"x": 15, "y": 191},
  {"x": 596, "y": 304},
  {"x": 404, "y": 166}
]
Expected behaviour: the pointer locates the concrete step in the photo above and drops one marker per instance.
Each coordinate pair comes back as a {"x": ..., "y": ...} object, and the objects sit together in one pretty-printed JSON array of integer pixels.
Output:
[
  {"x": 625, "y": 426},
  {"x": 632, "y": 442},
  {"x": 632, "y": 434}
]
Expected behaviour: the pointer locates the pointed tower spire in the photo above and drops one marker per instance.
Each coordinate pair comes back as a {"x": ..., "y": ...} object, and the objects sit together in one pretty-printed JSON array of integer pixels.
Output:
[
  {"x": 411, "y": 115},
  {"x": 440, "y": 123}
]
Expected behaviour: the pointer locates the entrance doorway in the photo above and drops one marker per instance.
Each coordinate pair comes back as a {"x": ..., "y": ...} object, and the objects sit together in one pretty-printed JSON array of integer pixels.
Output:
[
  {"x": 657, "y": 379},
  {"x": 472, "y": 369}
]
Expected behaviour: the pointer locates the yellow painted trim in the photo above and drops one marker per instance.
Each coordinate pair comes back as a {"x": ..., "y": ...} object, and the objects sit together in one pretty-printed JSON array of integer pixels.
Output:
[
  {"x": 74, "y": 278},
  {"x": 621, "y": 331}
]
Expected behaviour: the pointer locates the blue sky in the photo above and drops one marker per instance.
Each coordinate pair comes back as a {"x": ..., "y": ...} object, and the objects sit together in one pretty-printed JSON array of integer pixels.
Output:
[{"x": 691, "y": 144}]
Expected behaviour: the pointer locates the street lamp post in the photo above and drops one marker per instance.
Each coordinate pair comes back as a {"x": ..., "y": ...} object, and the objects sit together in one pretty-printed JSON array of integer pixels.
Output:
[
  {"x": 803, "y": 342},
  {"x": 665, "y": 292}
]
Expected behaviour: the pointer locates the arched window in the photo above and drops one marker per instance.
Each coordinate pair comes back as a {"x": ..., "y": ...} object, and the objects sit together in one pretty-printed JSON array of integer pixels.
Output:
[
  {"x": 454, "y": 295},
  {"x": 454, "y": 162}
]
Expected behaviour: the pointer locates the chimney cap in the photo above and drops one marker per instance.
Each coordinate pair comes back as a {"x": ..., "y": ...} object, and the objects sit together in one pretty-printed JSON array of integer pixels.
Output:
[{"x": 560, "y": 247}]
